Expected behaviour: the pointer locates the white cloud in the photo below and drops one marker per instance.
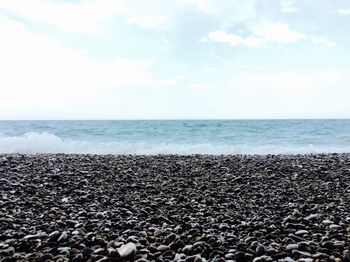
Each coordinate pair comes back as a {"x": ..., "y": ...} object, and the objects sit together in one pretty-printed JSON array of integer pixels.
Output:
[
  {"x": 288, "y": 6},
  {"x": 344, "y": 11},
  {"x": 91, "y": 16},
  {"x": 225, "y": 13},
  {"x": 147, "y": 22},
  {"x": 38, "y": 71},
  {"x": 86, "y": 17},
  {"x": 322, "y": 40},
  {"x": 276, "y": 33},
  {"x": 231, "y": 39}
]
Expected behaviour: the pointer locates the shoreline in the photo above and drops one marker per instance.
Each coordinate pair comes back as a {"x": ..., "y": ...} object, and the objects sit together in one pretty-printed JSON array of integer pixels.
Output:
[
  {"x": 74, "y": 207},
  {"x": 179, "y": 155}
]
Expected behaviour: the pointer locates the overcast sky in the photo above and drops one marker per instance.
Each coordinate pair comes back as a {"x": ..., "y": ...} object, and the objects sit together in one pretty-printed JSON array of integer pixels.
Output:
[{"x": 160, "y": 59}]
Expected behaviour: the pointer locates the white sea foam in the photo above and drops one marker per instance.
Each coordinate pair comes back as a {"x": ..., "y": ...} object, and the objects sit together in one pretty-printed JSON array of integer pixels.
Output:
[{"x": 32, "y": 143}]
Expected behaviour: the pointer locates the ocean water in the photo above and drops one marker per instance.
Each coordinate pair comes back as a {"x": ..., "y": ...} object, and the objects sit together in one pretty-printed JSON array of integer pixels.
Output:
[{"x": 176, "y": 137}]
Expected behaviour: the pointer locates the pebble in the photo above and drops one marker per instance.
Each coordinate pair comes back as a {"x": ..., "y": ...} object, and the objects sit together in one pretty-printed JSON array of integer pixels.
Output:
[
  {"x": 128, "y": 250},
  {"x": 240, "y": 256},
  {"x": 187, "y": 249},
  {"x": 287, "y": 259},
  {"x": 229, "y": 256},
  {"x": 327, "y": 222},
  {"x": 292, "y": 247},
  {"x": 260, "y": 250},
  {"x": 163, "y": 248},
  {"x": 301, "y": 253},
  {"x": 312, "y": 217},
  {"x": 263, "y": 259},
  {"x": 158, "y": 232},
  {"x": 174, "y": 208},
  {"x": 62, "y": 237},
  {"x": 347, "y": 254},
  {"x": 334, "y": 227},
  {"x": 195, "y": 258},
  {"x": 301, "y": 232}
]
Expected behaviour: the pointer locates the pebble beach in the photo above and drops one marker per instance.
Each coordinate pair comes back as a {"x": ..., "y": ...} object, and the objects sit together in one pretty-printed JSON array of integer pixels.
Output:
[{"x": 175, "y": 208}]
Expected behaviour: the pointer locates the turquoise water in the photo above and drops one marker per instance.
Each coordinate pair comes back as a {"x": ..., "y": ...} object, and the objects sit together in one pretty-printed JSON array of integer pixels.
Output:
[{"x": 176, "y": 136}]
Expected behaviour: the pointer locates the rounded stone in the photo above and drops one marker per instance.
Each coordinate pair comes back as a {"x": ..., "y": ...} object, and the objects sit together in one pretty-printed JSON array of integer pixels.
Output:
[
  {"x": 291, "y": 247},
  {"x": 128, "y": 250}
]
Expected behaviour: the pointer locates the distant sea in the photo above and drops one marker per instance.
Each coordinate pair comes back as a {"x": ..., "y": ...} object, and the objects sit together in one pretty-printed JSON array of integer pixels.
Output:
[{"x": 176, "y": 136}]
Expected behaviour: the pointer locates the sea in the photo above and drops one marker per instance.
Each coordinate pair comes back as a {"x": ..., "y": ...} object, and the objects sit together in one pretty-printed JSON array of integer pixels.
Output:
[{"x": 184, "y": 137}]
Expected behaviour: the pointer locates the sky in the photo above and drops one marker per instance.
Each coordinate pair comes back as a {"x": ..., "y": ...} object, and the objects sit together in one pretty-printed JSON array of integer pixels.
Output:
[{"x": 174, "y": 59}]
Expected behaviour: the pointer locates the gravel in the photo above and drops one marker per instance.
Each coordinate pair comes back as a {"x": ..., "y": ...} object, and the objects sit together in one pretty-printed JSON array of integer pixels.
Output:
[{"x": 175, "y": 208}]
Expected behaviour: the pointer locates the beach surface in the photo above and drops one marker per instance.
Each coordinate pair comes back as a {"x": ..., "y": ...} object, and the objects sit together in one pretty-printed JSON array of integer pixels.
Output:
[{"x": 175, "y": 208}]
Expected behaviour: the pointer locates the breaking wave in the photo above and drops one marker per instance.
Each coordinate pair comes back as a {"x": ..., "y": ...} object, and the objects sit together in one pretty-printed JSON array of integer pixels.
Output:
[{"x": 34, "y": 143}]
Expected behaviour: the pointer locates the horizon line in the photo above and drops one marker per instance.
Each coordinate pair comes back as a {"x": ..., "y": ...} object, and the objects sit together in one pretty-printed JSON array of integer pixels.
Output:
[{"x": 178, "y": 119}]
